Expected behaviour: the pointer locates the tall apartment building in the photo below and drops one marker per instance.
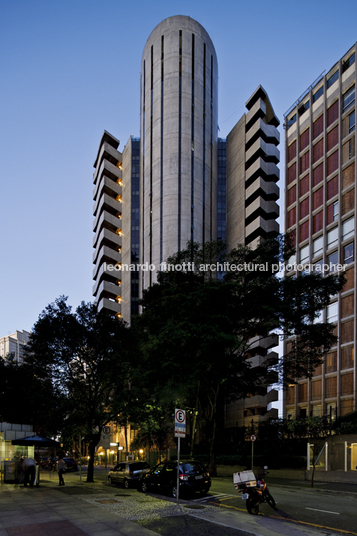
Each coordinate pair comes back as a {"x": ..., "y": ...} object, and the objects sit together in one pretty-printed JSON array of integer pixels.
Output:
[
  {"x": 14, "y": 344},
  {"x": 178, "y": 182},
  {"x": 320, "y": 200},
  {"x": 251, "y": 181}
]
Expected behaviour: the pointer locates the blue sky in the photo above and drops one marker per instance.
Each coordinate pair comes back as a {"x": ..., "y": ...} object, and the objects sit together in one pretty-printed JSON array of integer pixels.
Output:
[{"x": 70, "y": 69}]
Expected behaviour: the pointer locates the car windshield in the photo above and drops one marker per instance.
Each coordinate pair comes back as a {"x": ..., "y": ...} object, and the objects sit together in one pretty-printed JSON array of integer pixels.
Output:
[{"x": 191, "y": 467}]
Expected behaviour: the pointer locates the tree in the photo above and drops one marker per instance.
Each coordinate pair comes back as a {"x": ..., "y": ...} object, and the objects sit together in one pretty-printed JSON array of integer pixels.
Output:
[
  {"x": 88, "y": 357},
  {"x": 197, "y": 328},
  {"x": 24, "y": 398}
]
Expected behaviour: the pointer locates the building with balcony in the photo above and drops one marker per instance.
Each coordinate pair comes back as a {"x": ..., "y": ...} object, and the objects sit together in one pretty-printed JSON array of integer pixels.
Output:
[
  {"x": 178, "y": 182},
  {"x": 320, "y": 201}
]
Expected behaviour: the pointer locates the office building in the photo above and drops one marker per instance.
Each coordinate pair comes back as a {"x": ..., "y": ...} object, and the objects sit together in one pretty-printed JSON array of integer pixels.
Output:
[
  {"x": 320, "y": 200},
  {"x": 178, "y": 182}
]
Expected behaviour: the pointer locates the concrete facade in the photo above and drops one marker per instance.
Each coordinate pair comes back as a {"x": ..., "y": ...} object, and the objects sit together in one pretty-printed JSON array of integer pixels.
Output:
[
  {"x": 179, "y": 125},
  {"x": 14, "y": 344},
  {"x": 107, "y": 225},
  {"x": 320, "y": 201},
  {"x": 180, "y": 183}
]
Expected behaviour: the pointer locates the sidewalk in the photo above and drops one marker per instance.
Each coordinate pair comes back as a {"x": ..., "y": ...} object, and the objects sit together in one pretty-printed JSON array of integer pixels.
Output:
[{"x": 50, "y": 511}]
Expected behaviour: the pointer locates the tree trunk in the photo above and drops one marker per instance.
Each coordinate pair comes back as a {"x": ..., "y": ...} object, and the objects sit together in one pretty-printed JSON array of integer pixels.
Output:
[{"x": 93, "y": 441}]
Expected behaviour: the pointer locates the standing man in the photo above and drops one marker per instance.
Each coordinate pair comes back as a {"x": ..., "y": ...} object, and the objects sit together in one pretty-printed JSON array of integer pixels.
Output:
[
  {"x": 29, "y": 466},
  {"x": 61, "y": 467}
]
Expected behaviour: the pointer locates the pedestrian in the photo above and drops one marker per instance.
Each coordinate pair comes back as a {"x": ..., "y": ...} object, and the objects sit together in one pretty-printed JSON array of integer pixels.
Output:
[
  {"x": 61, "y": 467},
  {"x": 29, "y": 466}
]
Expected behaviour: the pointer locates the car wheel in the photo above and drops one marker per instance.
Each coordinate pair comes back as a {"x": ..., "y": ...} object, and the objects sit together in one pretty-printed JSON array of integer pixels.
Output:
[
  {"x": 109, "y": 480},
  {"x": 126, "y": 483},
  {"x": 174, "y": 491},
  {"x": 144, "y": 487}
]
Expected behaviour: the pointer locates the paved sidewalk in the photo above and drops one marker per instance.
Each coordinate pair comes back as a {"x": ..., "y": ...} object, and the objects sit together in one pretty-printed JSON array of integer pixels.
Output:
[{"x": 47, "y": 511}]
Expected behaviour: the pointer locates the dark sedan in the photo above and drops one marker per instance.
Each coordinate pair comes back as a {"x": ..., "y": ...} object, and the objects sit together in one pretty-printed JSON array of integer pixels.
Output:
[{"x": 193, "y": 477}]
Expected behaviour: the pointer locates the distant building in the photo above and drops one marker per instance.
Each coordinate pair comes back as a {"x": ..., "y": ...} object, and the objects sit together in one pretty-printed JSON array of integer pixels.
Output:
[
  {"x": 320, "y": 201},
  {"x": 14, "y": 344},
  {"x": 179, "y": 182}
]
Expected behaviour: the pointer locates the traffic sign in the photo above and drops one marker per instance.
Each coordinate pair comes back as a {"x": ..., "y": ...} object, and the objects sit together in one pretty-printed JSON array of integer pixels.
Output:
[
  {"x": 253, "y": 437},
  {"x": 180, "y": 423}
]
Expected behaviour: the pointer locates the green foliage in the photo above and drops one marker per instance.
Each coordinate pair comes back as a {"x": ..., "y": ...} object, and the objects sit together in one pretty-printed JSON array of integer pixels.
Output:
[{"x": 88, "y": 357}]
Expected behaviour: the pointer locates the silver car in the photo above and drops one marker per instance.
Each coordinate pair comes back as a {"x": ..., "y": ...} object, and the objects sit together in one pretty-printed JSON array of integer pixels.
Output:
[{"x": 128, "y": 473}]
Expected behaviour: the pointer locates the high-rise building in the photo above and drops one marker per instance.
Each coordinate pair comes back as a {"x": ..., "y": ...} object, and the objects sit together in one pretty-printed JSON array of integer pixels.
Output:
[
  {"x": 320, "y": 200},
  {"x": 14, "y": 345},
  {"x": 179, "y": 182}
]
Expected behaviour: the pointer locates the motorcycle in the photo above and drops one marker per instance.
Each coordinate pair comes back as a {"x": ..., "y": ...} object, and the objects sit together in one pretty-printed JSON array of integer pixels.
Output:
[{"x": 254, "y": 490}]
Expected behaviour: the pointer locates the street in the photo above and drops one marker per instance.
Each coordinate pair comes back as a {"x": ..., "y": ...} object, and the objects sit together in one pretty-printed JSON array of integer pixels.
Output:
[{"x": 93, "y": 508}]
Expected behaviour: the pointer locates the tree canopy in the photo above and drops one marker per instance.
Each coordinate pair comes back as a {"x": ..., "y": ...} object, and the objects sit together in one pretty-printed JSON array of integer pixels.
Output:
[
  {"x": 198, "y": 326},
  {"x": 88, "y": 356}
]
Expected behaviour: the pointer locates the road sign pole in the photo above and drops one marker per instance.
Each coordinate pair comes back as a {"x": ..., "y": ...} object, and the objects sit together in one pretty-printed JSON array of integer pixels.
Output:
[
  {"x": 252, "y": 454},
  {"x": 178, "y": 469}
]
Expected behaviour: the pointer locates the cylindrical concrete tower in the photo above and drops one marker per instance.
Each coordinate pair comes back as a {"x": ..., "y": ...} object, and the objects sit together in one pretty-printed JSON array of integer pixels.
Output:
[{"x": 179, "y": 117}]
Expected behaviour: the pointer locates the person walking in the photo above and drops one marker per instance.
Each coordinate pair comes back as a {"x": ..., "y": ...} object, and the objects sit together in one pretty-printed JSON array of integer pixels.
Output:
[{"x": 61, "y": 467}]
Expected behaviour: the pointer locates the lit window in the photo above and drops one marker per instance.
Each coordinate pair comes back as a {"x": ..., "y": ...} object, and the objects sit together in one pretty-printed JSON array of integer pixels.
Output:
[
  {"x": 333, "y": 78},
  {"x": 332, "y": 312},
  {"x": 332, "y": 238},
  {"x": 317, "y": 245},
  {"x": 348, "y": 99},
  {"x": 348, "y": 254},
  {"x": 348, "y": 228},
  {"x": 304, "y": 253},
  {"x": 318, "y": 94}
]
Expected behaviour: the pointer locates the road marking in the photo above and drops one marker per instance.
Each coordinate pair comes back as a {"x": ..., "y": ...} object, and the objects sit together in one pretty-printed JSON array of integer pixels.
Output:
[
  {"x": 294, "y": 521},
  {"x": 325, "y": 511}
]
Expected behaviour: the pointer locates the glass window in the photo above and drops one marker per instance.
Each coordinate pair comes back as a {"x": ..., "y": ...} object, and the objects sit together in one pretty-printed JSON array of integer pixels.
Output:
[
  {"x": 318, "y": 245},
  {"x": 319, "y": 318},
  {"x": 348, "y": 254},
  {"x": 351, "y": 122},
  {"x": 335, "y": 211},
  {"x": 332, "y": 78},
  {"x": 332, "y": 261},
  {"x": 292, "y": 120},
  {"x": 348, "y": 228},
  {"x": 318, "y": 94},
  {"x": 350, "y": 61},
  {"x": 304, "y": 253},
  {"x": 332, "y": 238},
  {"x": 332, "y": 312},
  {"x": 348, "y": 99}
]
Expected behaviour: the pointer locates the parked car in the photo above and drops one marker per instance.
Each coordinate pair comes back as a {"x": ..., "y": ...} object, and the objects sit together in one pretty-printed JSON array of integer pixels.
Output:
[
  {"x": 128, "y": 473},
  {"x": 193, "y": 477},
  {"x": 71, "y": 464}
]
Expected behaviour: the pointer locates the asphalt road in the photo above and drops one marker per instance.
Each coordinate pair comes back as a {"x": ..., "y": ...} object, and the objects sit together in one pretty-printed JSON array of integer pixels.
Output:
[
  {"x": 319, "y": 508},
  {"x": 300, "y": 510}
]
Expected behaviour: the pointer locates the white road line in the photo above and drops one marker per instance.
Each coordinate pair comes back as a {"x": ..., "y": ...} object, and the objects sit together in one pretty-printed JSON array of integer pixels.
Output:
[{"x": 325, "y": 511}]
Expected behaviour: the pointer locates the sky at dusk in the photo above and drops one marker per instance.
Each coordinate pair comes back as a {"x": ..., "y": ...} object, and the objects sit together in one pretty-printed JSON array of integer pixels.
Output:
[{"x": 70, "y": 69}]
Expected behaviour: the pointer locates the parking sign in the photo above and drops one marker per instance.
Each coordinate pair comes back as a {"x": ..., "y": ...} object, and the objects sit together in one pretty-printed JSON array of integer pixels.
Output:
[{"x": 180, "y": 423}]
